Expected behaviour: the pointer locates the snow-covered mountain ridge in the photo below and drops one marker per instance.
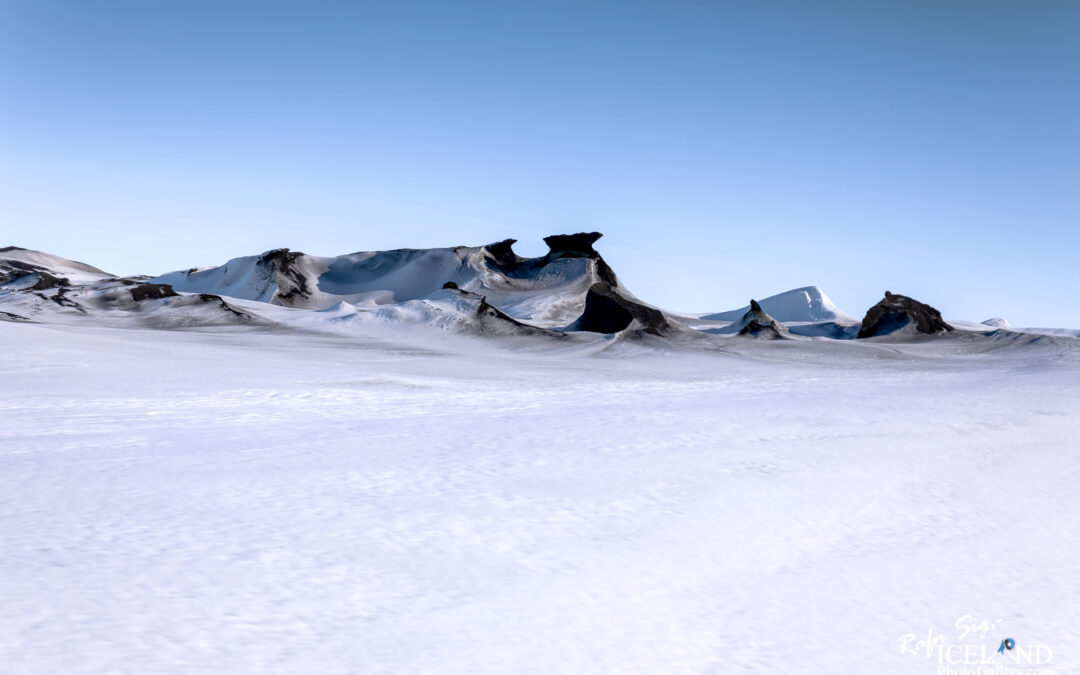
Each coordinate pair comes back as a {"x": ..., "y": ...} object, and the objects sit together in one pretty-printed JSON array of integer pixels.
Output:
[{"x": 482, "y": 290}]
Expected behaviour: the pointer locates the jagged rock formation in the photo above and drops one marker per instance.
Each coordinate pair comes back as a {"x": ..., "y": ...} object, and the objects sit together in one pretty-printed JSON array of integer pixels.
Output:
[
  {"x": 291, "y": 282},
  {"x": 898, "y": 311},
  {"x": 609, "y": 311},
  {"x": 756, "y": 323},
  {"x": 502, "y": 253},
  {"x": 573, "y": 244}
]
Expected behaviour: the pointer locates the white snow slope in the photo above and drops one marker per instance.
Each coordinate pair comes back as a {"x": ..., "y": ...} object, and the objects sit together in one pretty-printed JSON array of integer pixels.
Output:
[
  {"x": 257, "y": 500},
  {"x": 807, "y": 304}
]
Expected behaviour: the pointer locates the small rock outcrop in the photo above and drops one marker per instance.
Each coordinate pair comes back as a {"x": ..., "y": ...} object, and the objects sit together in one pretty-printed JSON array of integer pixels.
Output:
[
  {"x": 152, "y": 292},
  {"x": 897, "y": 311},
  {"x": 580, "y": 244},
  {"x": 46, "y": 281},
  {"x": 756, "y": 323},
  {"x": 502, "y": 253},
  {"x": 609, "y": 311}
]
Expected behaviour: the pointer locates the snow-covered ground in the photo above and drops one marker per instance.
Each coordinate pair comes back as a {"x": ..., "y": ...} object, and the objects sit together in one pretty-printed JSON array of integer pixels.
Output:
[{"x": 265, "y": 500}]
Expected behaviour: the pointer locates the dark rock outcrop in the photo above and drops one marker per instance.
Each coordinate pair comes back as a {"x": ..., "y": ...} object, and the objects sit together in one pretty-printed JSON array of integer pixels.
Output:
[
  {"x": 8, "y": 316},
  {"x": 490, "y": 316},
  {"x": 151, "y": 292},
  {"x": 46, "y": 281},
  {"x": 291, "y": 282},
  {"x": 609, "y": 311},
  {"x": 756, "y": 323},
  {"x": 60, "y": 298},
  {"x": 501, "y": 256},
  {"x": 486, "y": 311},
  {"x": 220, "y": 301},
  {"x": 575, "y": 245},
  {"x": 11, "y": 270},
  {"x": 896, "y": 311},
  {"x": 502, "y": 252}
]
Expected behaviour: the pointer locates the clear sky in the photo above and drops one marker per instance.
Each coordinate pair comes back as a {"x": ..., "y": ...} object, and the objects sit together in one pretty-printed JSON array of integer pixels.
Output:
[{"x": 727, "y": 150}]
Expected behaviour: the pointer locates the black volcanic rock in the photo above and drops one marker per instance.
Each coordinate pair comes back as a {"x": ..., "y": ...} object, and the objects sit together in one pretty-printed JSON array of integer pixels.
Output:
[
  {"x": 502, "y": 252},
  {"x": 490, "y": 316},
  {"x": 291, "y": 281},
  {"x": 210, "y": 298},
  {"x": 608, "y": 311},
  {"x": 896, "y": 311},
  {"x": 46, "y": 281},
  {"x": 501, "y": 257},
  {"x": 757, "y": 323},
  {"x": 152, "y": 292},
  {"x": 575, "y": 245},
  {"x": 13, "y": 269},
  {"x": 8, "y": 316}
]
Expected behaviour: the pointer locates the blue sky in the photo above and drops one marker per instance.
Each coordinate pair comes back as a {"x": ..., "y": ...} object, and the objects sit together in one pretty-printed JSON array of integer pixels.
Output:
[{"x": 727, "y": 150}]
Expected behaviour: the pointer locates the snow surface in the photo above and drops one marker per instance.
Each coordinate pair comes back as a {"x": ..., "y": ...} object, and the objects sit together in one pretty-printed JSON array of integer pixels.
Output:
[
  {"x": 807, "y": 304},
  {"x": 249, "y": 499}
]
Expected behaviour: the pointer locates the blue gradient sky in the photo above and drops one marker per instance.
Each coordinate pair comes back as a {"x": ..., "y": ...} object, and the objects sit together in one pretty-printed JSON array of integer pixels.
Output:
[{"x": 726, "y": 149}]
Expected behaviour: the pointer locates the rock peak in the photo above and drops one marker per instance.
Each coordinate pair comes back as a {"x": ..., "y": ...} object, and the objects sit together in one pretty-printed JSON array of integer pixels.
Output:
[
  {"x": 609, "y": 311},
  {"x": 502, "y": 252},
  {"x": 580, "y": 243},
  {"x": 896, "y": 311}
]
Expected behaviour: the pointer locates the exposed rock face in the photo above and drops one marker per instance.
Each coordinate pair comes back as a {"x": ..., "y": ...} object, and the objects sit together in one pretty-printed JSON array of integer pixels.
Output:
[
  {"x": 577, "y": 245},
  {"x": 608, "y": 311},
  {"x": 756, "y": 323},
  {"x": 152, "y": 292},
  {"x": 291, "y": 282},
  {"x": 11, "y": 270},
  {"x": 492, "y": 318},
  {"x": 501, "y": 256},
  {"x": 46, "y": 281},
  {"x": 896, "y": 311},
  {"x": 210, "y": 298},
  {"x": 60, "y": 298},
  {"x": 502, "y": 252}
]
